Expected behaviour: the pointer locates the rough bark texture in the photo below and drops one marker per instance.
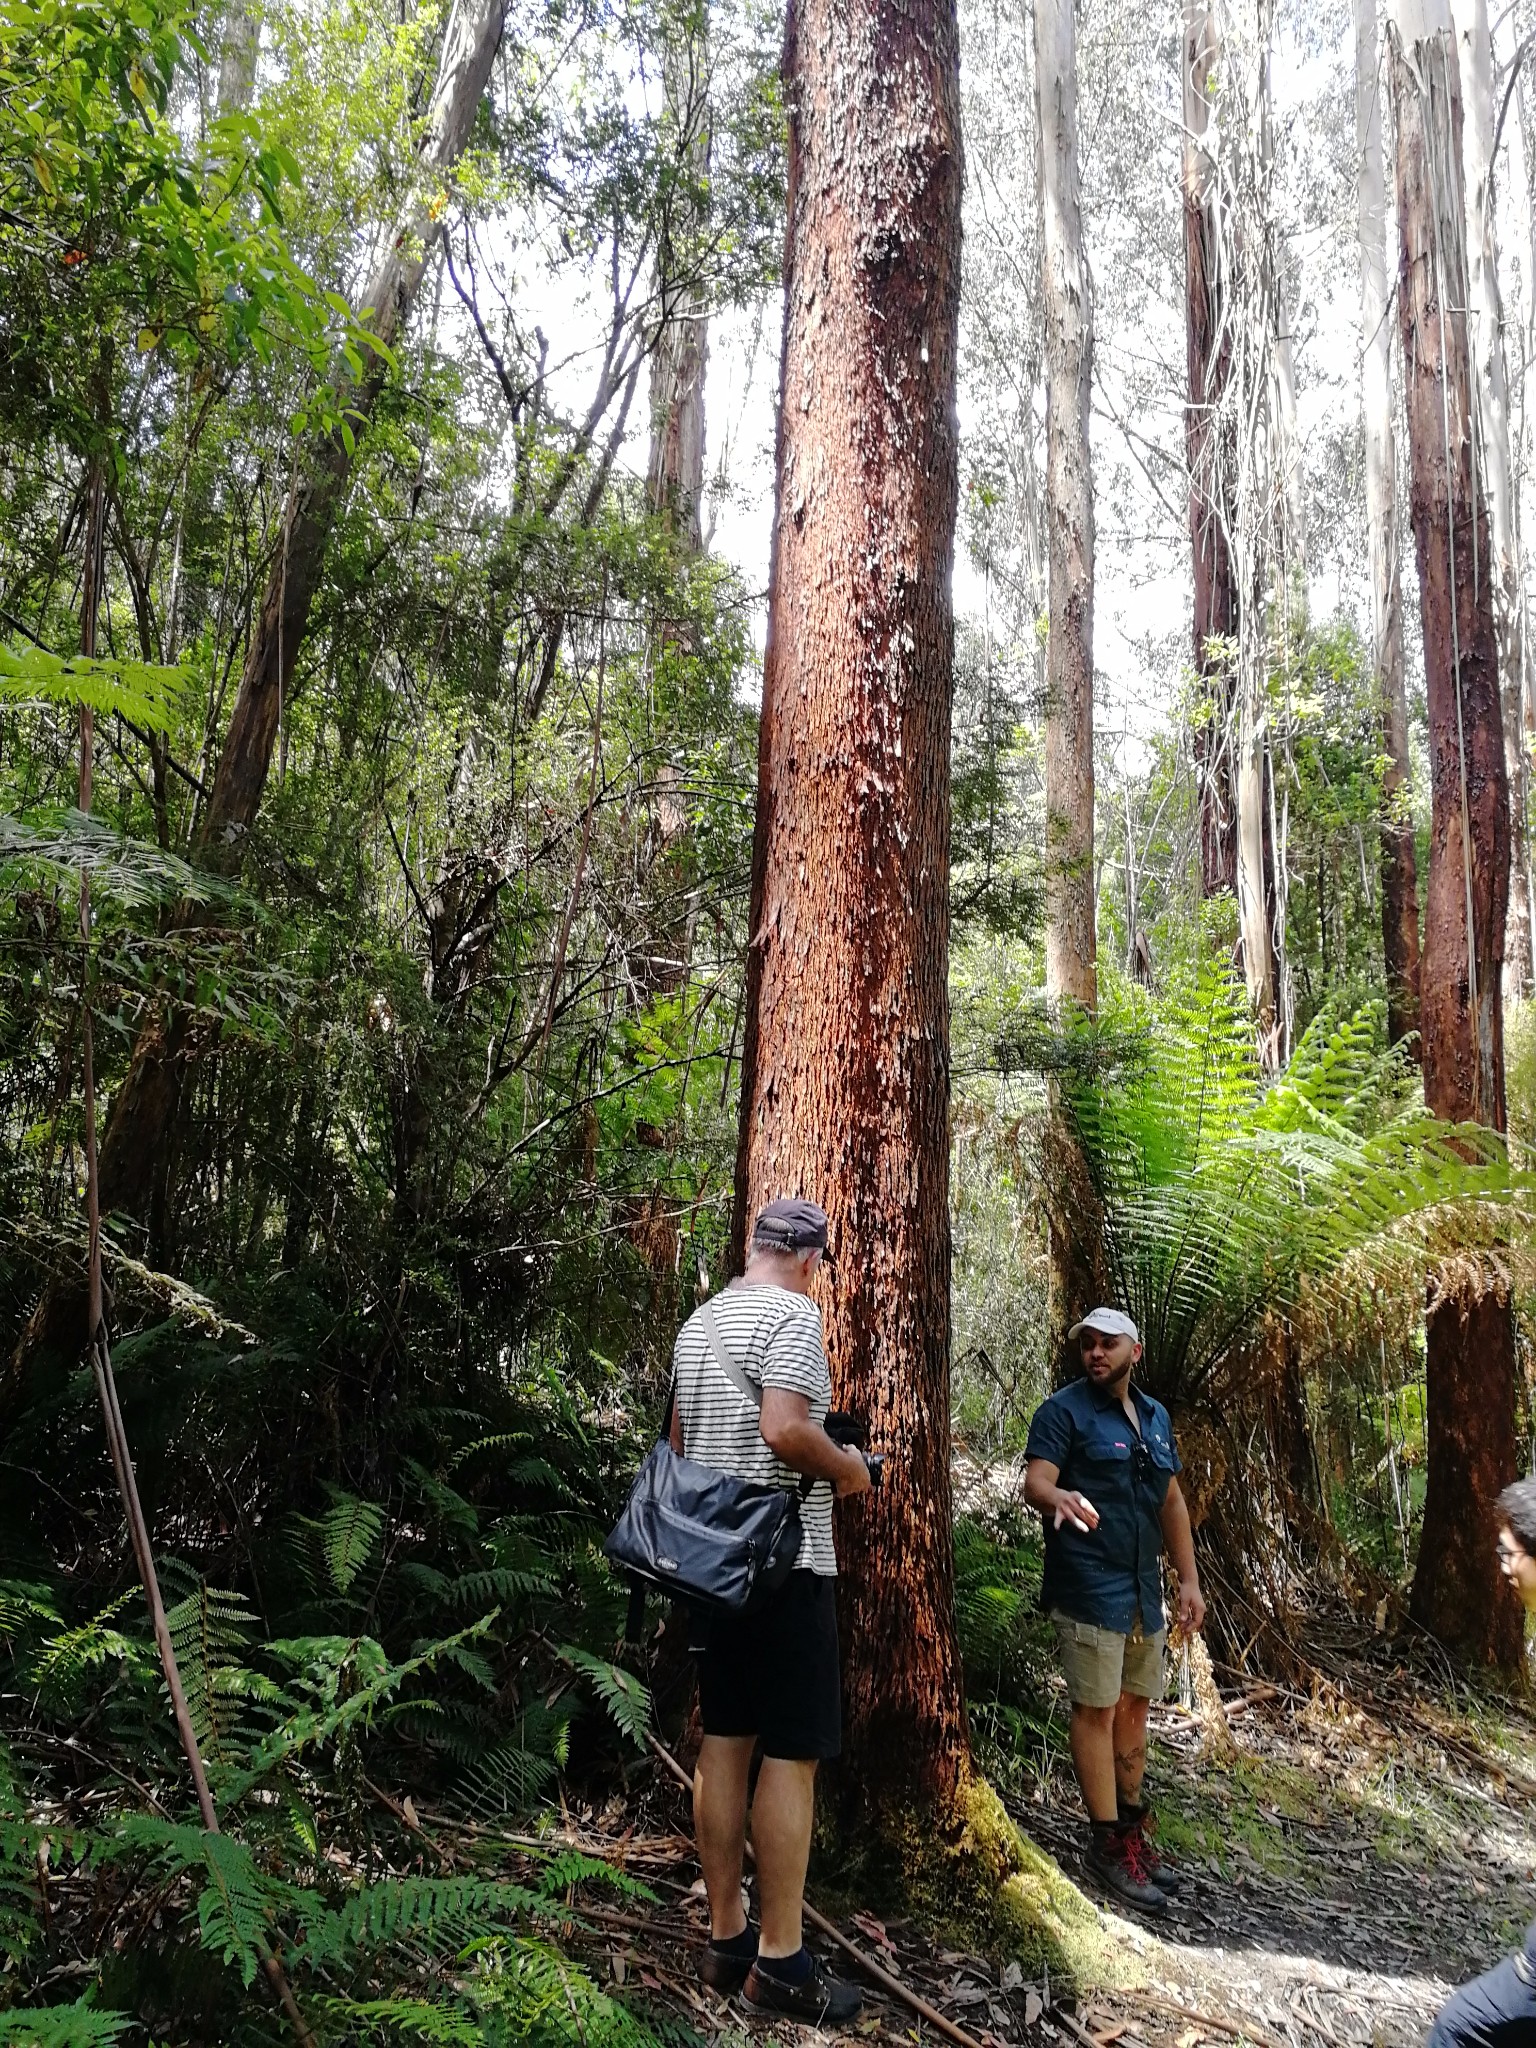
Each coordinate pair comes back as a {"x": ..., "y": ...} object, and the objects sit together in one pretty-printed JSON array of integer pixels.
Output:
[
  {"x": 1209, "y": 358},
  {"x": 1070, "y": 944},
  {"x": 1457, "y": 1589},
  {"x": 846, "y": 1053},
  {"x": 1399, "y": 866},
  {"x": 1491, "y": 389},
  {"x": 137, "y": 1141}
]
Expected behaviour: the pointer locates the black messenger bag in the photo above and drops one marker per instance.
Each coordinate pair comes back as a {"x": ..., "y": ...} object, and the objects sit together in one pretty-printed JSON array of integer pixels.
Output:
[{"x": 701, "y": 1534}]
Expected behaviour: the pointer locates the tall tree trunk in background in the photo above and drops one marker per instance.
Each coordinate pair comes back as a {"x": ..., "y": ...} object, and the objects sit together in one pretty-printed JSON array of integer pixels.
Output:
[
  {"x": 674, "y": 481},
  {"x": 1066, "y": 293},
  {"x": 1491, "y": 394},
  {"x": 239, "y": 51},
  {"x": 1066, "y": 296},
  {"x": 136, "y": 1143},
  {"x": 1457, "y": 1588},
  {"x": 1399, "y": 866},
  {"x": 846, "y": 1059},
  {"x": 1208, "y": 346}
]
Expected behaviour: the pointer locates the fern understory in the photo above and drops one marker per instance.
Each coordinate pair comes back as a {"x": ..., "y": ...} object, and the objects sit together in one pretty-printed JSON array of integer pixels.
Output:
[{"x": 121, "y": 1918}]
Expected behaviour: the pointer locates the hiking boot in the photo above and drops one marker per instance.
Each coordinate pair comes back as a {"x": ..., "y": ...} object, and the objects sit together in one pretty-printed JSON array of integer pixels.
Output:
[
  {"x": 821, "y": 1999},
  {"x": 1161, "y": 1872},
  {"x": 1117, "y": 1856},
  {"x": 723, "y": 1966}
]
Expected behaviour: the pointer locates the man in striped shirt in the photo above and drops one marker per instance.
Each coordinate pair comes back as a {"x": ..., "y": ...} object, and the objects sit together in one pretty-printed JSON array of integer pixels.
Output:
[{"x": 771, "y": 1676}]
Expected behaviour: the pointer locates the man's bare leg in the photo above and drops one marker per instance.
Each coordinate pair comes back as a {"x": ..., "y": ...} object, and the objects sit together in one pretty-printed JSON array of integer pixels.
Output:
[
  {"x": 720, "y": 1824},
  {"x": 783, "y": 1810},
  {"x": 1130, "y": 1747},
  {"x": 1093, "y": 1759}
]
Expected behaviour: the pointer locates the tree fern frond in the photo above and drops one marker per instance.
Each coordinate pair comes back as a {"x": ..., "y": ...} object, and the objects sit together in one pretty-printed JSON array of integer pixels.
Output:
[
  {"x": 147, "y": 693},
  {"x": 432, "y": 1913}
]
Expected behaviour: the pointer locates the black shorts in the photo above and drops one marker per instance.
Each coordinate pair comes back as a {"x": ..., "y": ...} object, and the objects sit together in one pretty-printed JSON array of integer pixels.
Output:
[{"x": 774, "y": 1673}]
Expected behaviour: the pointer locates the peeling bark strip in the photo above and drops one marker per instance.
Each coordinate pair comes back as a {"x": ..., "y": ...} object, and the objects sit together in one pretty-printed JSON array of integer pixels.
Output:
[
  {"x": 846, "y": 1058},
  {"x": 1457, "y": 1589},
  {"x": 1399, "y": 866},
  {"x": 1070, "y": 949}
]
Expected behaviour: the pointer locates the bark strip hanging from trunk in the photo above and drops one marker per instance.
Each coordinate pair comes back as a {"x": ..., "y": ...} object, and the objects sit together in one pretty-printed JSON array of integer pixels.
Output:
[
  {"x": 846, "y": 1060},
  {"x": 1399, "y": 863},
  {"x": 1066, "y": 292},
  {"x": 1457, "y": 1589}
]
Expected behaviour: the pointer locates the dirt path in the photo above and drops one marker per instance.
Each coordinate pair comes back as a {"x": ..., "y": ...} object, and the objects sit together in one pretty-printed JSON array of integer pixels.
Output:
[{"x": 1348, "y": 1864}]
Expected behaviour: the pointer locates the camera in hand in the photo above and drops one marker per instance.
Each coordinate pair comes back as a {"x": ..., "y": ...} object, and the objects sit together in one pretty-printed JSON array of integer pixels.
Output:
[{"x": 852, "y": 1432}]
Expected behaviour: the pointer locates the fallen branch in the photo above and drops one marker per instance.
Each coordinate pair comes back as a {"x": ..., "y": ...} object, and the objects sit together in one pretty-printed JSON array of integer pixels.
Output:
[{"x": 871, "y": 1968}]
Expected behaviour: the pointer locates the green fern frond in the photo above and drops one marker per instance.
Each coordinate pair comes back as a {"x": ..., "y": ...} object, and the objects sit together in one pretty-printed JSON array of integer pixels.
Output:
[
  {"x": 404, "y": 2019},
  {"x": 146, "y": 693},
  {"x": 627, "y": 1701},
  {"x": 350, "y": 1534},
  {"x": 236, "y": 1901},
  {"x": 67, "y": 1661},
  {"x": 56, "y": 845},
  {"x": 430, "y": 1913},
  {"x": 64, "y": 2026},
  {"x": 506, "y": 1779}
]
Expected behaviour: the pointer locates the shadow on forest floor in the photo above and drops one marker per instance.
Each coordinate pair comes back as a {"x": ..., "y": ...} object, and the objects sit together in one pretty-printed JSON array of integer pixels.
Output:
[{"x": 1365, "y": 1847}]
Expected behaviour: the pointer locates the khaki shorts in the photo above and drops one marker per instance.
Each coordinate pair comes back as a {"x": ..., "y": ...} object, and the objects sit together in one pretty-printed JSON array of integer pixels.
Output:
[{"x": 1100, "y": 1663}]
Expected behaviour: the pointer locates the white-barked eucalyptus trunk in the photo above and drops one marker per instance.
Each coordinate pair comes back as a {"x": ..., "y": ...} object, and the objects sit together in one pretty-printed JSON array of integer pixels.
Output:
[{"x": 1066, "y": 297}]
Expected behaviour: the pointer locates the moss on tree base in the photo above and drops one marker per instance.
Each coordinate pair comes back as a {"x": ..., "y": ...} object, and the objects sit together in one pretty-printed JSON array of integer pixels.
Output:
[{"x": 981, "y": 1881}]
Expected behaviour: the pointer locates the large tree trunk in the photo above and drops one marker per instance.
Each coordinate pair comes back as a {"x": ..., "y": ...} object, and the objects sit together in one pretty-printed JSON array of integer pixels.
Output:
[
  {"x": 136, "y": 1143},
  {"x": 1491, "y": 389},
  {"x": 1457, "y": 1589},
  {"x": 1066, "y": 295},
  {"x": 1209, "y": 356},
  {"x": 1399, "y": 866},
  {"x": 846, "y": 1061}
]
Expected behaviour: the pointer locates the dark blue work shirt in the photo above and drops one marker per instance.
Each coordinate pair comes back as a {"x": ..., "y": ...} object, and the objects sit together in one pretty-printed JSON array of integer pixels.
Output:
[{"x": 1114, "y": 1573}]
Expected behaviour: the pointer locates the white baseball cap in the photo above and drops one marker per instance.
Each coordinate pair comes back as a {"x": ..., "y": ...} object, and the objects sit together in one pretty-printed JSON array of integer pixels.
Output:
[{"x": 1114, "y": 1322}]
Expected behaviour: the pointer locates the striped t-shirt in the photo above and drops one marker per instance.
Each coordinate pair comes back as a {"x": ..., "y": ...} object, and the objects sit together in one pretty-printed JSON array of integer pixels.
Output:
[{"x": 774, "y": 1335}]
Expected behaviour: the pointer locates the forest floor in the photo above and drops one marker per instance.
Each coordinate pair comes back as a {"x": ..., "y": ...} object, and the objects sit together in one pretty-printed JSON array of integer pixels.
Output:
[{"x": 1360, "y": 1848}]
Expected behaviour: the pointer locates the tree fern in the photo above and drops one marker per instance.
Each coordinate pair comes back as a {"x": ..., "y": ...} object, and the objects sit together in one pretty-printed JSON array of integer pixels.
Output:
[{"x": 1222, "y": 1200}]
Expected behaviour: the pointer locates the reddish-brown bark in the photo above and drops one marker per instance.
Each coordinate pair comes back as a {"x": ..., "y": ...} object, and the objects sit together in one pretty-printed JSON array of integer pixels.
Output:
[
  {"x": 1457, "y": 1591},
  {"x": 846, "y": 1062}
]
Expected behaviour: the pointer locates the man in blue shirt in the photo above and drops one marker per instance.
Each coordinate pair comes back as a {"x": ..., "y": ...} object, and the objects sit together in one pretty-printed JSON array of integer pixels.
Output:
[{"x": 1101, "y": 1468}]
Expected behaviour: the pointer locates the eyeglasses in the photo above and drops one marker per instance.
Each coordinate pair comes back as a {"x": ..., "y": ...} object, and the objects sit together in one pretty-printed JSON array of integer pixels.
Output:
[{"x": 1510, "y": 1552}]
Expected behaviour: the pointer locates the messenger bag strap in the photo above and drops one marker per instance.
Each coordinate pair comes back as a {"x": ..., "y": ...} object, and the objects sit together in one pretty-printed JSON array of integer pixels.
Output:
[{"x": 747, "y": 1388}]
